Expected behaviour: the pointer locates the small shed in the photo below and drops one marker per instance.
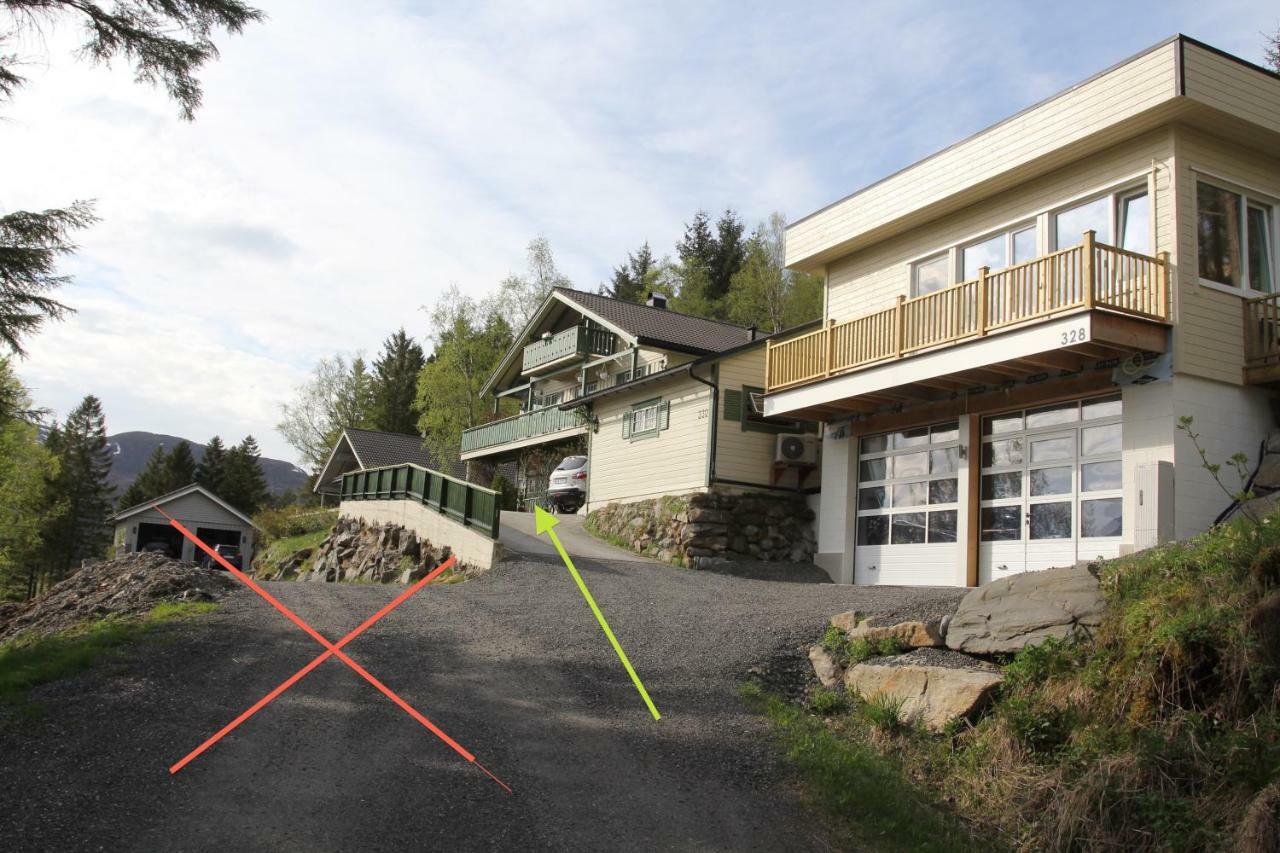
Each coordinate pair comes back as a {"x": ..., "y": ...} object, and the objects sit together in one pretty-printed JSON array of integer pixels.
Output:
[{"x": 196, "y": 508}]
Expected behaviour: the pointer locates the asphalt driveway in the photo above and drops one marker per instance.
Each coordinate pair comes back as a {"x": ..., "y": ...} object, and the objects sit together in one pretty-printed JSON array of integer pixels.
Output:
[{"x": 511, "y": 664}]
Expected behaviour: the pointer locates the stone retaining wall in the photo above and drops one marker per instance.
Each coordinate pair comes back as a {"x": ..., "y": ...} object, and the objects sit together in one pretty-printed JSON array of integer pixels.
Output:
[{"x": 708, "y": 528}]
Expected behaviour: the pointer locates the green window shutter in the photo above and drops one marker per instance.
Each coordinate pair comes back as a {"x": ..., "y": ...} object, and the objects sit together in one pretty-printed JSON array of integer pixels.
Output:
[
  {"x": 732, "y": 405},
  {"x": 626, "y": 425},
  {"x": 664, "y": 414}
]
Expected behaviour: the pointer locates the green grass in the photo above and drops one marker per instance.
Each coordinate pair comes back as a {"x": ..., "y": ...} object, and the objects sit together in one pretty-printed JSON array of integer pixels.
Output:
[
  {"x": 870, "y": 803},
  {"x": 25, "y": 664},
  {"x": 281, "y": 549}
]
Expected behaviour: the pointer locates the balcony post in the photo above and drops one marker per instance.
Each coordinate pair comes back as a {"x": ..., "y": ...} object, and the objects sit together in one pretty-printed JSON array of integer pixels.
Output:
[
  {"x": 1087, "y": 270},
  {"x": 829, "y": 347},
  {"x": 982, "y": 300},
  {"x": 899, "y": 325},
  {"x": 768, "y": 364},
  {"x": 1162, "y": 286}
]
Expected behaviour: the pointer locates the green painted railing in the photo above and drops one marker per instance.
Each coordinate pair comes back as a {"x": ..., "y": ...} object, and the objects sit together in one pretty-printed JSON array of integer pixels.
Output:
[
  {"x": 575, "y": 341},
  {"x": 474, "y": 506},
  {"x": 519, "y": 427}
]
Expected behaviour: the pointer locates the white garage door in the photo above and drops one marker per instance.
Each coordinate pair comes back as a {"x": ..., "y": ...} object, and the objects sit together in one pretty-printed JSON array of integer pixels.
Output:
[
  {"x": 1051, "y": 487},
  {"x": 907, "y": 506}
]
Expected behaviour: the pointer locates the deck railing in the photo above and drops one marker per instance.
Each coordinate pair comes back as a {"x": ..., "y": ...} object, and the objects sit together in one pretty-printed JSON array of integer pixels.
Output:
[
  {"x": 519, "y": 427},
  {"x": 468, "y": 504},
  {"x": 575, "y": 341},
  {"x": 1090, "y": 275},
  {"x": 1262, "y": 331}
]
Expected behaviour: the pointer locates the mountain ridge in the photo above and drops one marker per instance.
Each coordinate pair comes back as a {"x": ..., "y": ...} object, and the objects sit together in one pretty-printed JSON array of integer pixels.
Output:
[{"x": 130, "y": 451}]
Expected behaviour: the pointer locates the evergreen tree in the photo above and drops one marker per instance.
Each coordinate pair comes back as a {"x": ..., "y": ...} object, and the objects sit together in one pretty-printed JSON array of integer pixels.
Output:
[
  {"x": 395, "y": 384},
  {"x": 632, "y": 280},
  {"x": 81, "y": 484},
  {"x": 179, "y": 468},
  {"x": 353, "y": 403},
  {"x": 244, "y": 486},
  {"x": 27, "y": 508},
  {"x": 727, "y": 254},
  {"x": 151, "y": 482},
  {"x": 212, "y": 467},
  {"x": 698, "y": 246}
]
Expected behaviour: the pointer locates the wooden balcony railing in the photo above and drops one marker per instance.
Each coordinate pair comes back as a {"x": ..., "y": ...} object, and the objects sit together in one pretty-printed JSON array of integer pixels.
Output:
[
  {"x": 572, "y": 342},
  {"x": 519, "y": 427},
  {"x": 1090, "y": 275},
  {"x": 1262, "y": 332}
]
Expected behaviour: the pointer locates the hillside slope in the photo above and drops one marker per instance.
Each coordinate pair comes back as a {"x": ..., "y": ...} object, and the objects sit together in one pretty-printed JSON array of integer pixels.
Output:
[{"x": 131, "y": 449}]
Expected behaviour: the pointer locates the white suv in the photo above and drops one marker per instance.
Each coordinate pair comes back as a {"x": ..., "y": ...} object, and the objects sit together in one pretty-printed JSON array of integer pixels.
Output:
[{"x": 567, "y": 491}]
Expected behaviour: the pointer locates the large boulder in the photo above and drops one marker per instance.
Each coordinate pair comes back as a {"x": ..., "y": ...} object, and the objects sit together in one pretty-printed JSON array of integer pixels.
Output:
[
  {"x": 825, "y": 666},
  {"x": 1006, "y": 615},
  {"x": 934, "y": 695}
]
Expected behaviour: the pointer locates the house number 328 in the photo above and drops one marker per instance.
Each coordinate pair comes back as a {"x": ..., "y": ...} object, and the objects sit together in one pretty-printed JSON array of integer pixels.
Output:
[{"x": 1075, "y": 336}]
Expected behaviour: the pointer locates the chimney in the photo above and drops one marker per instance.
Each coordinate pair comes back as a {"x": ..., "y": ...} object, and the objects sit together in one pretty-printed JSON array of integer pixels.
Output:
[
  {"x": 752, "y": 331},
  {"x": 656, "y": 300}
]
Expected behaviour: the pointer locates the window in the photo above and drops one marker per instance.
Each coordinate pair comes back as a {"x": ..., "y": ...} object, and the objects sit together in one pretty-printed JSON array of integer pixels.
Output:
[
  {"x": 933, "y": 274},
  {"x": 741, "y": 406},
  {"x": 1135, "y": 222},
  {"x": 1070, "y": 224},
  {"x": 999, "y": 251},
  {"x": 908, "y": 493},
  {"x": 646, "y": 419},
  {"x": 1236, "y": 236}
]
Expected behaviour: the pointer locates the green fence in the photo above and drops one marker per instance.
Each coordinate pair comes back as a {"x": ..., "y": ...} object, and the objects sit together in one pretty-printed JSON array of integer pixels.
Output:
[
  {"x": 474, "y": 506},
  {"x": 519, "y": 427}
]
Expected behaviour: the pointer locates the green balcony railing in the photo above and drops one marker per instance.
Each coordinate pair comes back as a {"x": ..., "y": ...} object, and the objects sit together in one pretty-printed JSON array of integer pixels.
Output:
[
  {"x": 573, "y": 342},
  {"x": 519, "y": 427},
  {"x": 473, "y": 506}
]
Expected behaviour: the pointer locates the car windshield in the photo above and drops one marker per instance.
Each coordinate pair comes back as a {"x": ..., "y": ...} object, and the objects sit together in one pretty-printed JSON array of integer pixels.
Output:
[{"x": 571, "y": 463}]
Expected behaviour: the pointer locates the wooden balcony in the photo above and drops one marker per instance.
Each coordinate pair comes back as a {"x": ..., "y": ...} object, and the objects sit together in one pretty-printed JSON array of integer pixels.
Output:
[
  {"x": 1262, "y": 340},
  {"x": 520, "y": 430},
  {"x": 1085, "y": 278},
  {"x": 565, "y": 347}
]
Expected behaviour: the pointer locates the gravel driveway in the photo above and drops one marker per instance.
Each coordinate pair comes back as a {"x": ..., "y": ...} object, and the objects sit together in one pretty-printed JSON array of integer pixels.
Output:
[{"x": 511, "y": 664}]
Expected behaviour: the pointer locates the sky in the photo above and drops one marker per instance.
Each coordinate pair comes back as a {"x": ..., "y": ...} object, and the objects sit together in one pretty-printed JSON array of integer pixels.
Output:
[{"x": 352, "y": 160}]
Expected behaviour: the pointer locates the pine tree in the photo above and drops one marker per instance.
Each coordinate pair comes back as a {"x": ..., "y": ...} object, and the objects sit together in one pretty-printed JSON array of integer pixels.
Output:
[
  {"x": 727, "y": 255},
  {"x": 631, "y": 280},
  {"x": 395, "y": 384},
  {"x": 81, "y": 484},
  {"x": 179, "y": 468},
  {"x": 353, "y": 402},
  {"x": 244, "y": 486},
  {"x": 212, "y": 468},
  {"x": 151, "y": 482}
]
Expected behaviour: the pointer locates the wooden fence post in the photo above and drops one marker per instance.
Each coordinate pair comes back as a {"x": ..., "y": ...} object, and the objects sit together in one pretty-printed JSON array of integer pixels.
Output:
[
  {"x": 1087, "y": 270},
  {"x": 982, "y": 300},
  {"x": 900, "y": 319},
  {"x": 829, "y": 348},
  {"x": 1162, "y": 289}
]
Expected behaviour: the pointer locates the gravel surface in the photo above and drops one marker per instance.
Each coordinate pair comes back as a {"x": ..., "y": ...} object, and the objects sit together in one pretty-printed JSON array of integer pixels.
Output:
[
  {"x": 936, "y": 657},
  {"x": 511, "y": 664}
]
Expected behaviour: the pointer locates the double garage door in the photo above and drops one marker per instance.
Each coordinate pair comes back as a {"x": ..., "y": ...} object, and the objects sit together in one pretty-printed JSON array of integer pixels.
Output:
[{"x": 1049, "y": 495}]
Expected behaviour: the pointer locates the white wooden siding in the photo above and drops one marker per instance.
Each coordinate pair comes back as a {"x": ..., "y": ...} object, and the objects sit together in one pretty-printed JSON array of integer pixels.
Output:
[
  {"x": 1094, "y": 114},
  {"x": 874, "y": 277},
  {"x": 1209, "y": 336},
  {"x": 743, "y": 455},
  {"x": 675, "y": 462},
  {"x": 1227, "y": 85}
]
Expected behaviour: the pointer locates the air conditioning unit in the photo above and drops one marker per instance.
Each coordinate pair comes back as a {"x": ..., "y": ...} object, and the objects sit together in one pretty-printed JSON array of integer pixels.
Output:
[{"x": 797, "y": 449}]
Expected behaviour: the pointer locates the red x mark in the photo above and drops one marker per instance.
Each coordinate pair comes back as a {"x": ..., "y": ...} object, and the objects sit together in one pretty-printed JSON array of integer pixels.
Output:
[{"x": 332, "y": 650}]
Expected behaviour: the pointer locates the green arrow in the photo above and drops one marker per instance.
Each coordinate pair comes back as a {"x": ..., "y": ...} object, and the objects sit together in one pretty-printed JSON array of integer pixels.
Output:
[{"x": 546, "y": 523}]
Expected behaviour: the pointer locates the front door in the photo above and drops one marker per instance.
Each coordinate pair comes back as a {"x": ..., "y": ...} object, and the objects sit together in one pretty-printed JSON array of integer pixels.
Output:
[{"x": 1051, "y": 487}]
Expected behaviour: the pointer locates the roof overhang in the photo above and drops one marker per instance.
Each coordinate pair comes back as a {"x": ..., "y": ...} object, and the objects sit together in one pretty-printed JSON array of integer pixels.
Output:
[
  {"x": 175, "y": 495},
  {"x": 324, "y": 476}
]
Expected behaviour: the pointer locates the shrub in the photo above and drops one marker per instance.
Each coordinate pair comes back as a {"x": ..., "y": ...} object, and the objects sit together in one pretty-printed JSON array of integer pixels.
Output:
[
  {"x": 833, "y": 640},
  {"x": 883, "y": 713},
  {"x": 856, "y": 651},
  {"x": 507, "y": 497},
  {"x": 293, "y": 521},
  {"x": 889, "y": 646},
  {"x": 826, "y": 702}
]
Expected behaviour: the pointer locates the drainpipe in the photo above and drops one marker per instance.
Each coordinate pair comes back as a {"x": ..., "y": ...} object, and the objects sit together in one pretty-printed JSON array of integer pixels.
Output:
[{"x": 713, "y": 384}]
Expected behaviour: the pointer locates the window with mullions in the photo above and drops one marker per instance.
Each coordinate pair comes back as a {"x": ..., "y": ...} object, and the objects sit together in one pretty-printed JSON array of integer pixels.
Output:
[
  {"x": 1236, "y": 238},
  {"x": 908, "y": 491},
  {"x": 646, "y": 420}
]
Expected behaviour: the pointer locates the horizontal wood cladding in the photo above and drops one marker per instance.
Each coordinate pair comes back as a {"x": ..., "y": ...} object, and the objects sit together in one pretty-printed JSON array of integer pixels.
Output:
[
  {"x": 1082, "y": 112},
  {"x": 1231, "y": 86}
]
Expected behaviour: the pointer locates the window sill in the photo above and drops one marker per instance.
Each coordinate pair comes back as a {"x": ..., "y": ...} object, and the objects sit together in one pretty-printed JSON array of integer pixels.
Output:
[{"x": 1242, "y": 292}]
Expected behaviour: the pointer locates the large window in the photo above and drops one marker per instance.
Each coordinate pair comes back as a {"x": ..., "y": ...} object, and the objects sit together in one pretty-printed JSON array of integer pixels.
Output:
[
  {"x": 1236, "y": 235},
  {"x": 933, "y": 274},
  {"x": 999, "y": 251},
  {"x": 908, "y": 491}
]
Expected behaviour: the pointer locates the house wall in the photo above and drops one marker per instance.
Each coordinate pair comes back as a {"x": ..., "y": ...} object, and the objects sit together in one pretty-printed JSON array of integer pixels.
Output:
[
  {"x": 872, "y": 278},
  {"x": 744, "y": 455},
  {"x": 671, "y": 463},
  {"x": 1095, "y": 113},
  {"x": 1209, "y": 336},
  {"x": 191, "y": 511},
  {"x": 1226, "y": 85}
]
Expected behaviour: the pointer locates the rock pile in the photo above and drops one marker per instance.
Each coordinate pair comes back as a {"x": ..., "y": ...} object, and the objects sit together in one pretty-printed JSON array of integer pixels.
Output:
[
  {"x": 357, "y": 552},
  {"x": 128, "y": 586},
  {"x": 706, "y": 529},
  {"x": 936, "y": 684}
]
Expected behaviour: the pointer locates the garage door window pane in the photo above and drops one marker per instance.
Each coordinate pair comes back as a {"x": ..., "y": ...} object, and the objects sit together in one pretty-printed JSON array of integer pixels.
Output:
[
  {"x": 1107, "y": 407},
  {"x": 943, "y": 491},
  {"x": 1006, "y": 452},
  {"x": 942, "y": 526},
  {"x": 910, "y": 494},
  {"x": 875, "y": 444},
  {"x": 1051, "y": 521},
  {"x": 998, "y": 424},
  {"x": 1050, "y": 481},
  {"x": 1099, "y": 476},
  {"x": 1049, "y": 449},
  {"x": 911, "y": 465},
  {"x": 1052, "y": 415},
  {"x": 873, "y": 530},
  {"x": 943, "y": 461},
  {"x": 1100, "y": 439},
  {"x": 911, "y": 437},
  {"x": 1001, "y": 523},
  {"x": 999, "y": 486},
  {"x": 943, "y": 433},
  {"x": 908, "y": 528},
  {"x": 873, "y": 498},
  {"x": 875, "y": 469},
  {"x": 1101, "y": 518}
]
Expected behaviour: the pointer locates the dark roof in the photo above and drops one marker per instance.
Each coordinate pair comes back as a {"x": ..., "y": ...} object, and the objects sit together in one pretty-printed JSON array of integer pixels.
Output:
[
  {"x": 660, "y": 326},
  {"x": 378, "y": 449}
]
